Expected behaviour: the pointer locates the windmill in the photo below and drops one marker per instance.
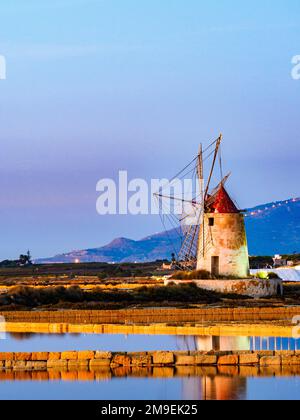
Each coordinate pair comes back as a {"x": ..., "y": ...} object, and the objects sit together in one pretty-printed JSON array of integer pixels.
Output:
[
  {"x": 191, "y": 219},
  {"x": 212, "y": 228}
]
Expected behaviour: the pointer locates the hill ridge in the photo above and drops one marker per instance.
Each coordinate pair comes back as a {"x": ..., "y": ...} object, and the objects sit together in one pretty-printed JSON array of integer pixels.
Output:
[{"x": 271, "y": 228}]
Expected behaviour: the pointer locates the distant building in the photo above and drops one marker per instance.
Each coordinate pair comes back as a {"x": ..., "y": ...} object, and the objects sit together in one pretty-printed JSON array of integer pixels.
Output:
[
  {"x": 167, "y": 266},
  {"x": 279, "y": 261}
]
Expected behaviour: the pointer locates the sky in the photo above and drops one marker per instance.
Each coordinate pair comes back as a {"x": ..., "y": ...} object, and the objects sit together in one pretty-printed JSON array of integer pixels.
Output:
[{"x": 98, "y": 86}]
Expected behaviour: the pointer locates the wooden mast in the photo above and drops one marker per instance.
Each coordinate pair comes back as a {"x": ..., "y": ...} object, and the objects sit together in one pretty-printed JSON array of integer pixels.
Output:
[
  {"x": 205, "y": 194},
  {"x": 201, "y": 186},
  {"x": 213, "y": 166},
  {"x": 200, "y": 169},
  {"x": 200, "y": 180}
]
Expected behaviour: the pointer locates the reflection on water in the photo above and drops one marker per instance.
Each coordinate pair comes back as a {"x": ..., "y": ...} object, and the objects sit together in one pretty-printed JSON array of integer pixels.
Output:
[
  {"x": 182, "y": 383},
  {"x": 230, "y": 343},
  {"x": 119, "y": 342},
  {"x": 216, "y": 387}
]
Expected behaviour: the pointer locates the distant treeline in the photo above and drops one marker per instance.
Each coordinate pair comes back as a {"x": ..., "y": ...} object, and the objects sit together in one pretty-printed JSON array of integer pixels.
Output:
[{"x": 102, "y": 270}]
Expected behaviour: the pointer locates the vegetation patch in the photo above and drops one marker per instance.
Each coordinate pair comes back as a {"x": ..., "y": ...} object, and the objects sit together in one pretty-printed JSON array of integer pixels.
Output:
[
  {"x": 199, "y": 275},
  {"x": 24, "y": 297}
]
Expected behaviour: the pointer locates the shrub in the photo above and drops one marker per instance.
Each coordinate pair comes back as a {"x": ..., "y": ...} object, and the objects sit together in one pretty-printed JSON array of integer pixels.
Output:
[
  {"x": 191, "y": 275},
  {"x": 189, "y": 292},
  {"x": 200, "y": 275}
]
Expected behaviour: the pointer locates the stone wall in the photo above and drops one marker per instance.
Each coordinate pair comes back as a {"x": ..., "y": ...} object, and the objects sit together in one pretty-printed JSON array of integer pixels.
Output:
[
  {"x": 95, "y": 360},
  {"x": 154, "y": 315},
  {"x": 255, "y": 288}
]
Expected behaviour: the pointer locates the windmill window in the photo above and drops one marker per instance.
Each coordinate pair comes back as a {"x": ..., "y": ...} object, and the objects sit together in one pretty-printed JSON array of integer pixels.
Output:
[{"x": 211, "y": 221}]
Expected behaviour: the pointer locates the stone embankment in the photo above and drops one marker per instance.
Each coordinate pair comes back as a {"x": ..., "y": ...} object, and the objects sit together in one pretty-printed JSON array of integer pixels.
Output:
[
  {"x": 95, "y": 360},
  {"x": 153, "y": 315}
]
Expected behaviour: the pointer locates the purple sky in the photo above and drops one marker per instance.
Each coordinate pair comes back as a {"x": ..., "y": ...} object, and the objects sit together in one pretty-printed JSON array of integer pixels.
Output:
[{"x": 94, "y": 87}]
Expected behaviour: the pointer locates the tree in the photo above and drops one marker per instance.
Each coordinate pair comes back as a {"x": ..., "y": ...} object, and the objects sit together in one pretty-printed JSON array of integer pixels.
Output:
[
  {"x": 25, "y": 259},
  {"x": 28, "y": 257}
]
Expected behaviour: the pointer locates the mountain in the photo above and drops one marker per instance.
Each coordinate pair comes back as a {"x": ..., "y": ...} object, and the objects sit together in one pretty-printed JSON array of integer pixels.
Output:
[
  {"x": 272, "y": 228},
  {"x": 151, "y": 248}
]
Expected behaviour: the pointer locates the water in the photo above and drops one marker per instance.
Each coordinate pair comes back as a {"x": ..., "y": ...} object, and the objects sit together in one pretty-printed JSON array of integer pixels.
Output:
[
  {"x": 220, "y": 387},
  {"x": 180, "y": 383},
  {"x": 22, "y": 342}
]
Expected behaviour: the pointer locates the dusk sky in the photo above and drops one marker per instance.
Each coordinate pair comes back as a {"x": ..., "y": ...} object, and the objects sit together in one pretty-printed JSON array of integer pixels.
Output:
[{"x": 98, "y": 86}]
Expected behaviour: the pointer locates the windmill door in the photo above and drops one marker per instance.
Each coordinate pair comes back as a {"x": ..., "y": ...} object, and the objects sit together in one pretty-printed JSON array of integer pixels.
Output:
[{"x": 215, "y": 266}]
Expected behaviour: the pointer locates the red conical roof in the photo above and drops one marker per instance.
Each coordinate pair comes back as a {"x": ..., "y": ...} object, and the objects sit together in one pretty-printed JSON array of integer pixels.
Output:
[{"x": 221, "y": 202}]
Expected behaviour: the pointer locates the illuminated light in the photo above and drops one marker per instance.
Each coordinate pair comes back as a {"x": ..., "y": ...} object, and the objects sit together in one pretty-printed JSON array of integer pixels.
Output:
[
  {"x": 263, "y": 275},
  {"x": 77, "y": 261}
]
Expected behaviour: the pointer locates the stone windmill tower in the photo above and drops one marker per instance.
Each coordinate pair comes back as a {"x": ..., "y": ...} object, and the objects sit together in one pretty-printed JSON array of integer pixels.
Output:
[{"x": 222, "y": 242}]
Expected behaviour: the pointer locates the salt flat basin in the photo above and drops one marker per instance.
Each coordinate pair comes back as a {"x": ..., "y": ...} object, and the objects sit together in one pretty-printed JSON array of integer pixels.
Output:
[
  {"x": 228, "y": 383},
  {"x": 20, "y": 337},
  {"x": 183, "y": 383},
  {"x": 30, "y": 342}
]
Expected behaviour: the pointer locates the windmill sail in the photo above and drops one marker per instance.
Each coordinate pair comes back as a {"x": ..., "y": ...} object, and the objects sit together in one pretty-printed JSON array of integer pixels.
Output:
[{"x": 190, "y": 220}]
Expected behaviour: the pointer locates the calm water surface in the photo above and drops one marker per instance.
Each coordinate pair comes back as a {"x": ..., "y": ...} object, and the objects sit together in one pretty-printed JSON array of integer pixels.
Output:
[
  {"x": 190, "y": 387},
  {"x": 181, "y": 388},
  {"x": 119, "y": 342}
]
